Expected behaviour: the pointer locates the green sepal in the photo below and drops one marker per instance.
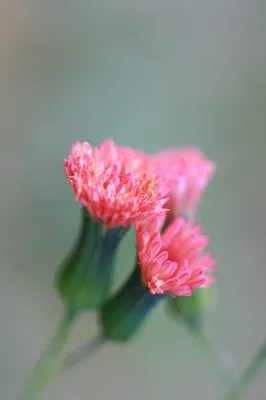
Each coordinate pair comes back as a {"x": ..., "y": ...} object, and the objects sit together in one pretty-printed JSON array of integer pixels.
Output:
[
  {"x": 85, "y": 277},
  {"x": 123, "y": 315},
  {"x": 192, "y": 308}
]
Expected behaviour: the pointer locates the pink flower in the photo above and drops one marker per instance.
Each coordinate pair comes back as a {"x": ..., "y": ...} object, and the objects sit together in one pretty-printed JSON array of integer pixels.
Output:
[
  {"x": 173, "y": 262},
  {"x": 188, "y": 173},
  {"x": 117, "y": 185}
]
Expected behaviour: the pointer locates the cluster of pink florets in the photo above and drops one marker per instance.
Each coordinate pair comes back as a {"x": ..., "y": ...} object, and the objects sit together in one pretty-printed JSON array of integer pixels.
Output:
[{"x": 122, "y": 186}]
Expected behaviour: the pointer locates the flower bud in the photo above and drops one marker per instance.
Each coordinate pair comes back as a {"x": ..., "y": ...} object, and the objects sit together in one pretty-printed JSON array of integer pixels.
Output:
[
  {"x": 122, "y": 316},
  {"x": 85, "y": 276},
  {"x": 188, "y": 172}
]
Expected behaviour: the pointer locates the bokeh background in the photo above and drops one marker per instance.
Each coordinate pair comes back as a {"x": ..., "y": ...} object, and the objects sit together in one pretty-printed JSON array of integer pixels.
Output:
[{"x": 150, "y": 74}]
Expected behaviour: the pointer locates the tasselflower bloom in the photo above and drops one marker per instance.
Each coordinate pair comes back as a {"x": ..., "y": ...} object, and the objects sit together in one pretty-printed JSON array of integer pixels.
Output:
[
  {"x": 188, "y": 172},
  {"x": 117, "y": 185},
  {"x": 173, "y": 262}
]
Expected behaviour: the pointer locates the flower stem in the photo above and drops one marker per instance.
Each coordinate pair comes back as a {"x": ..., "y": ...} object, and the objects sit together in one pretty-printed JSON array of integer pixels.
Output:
[
  {"x": 220, "y": 358},
  {"x": 83, "y": 352},
  {"x": 49, "y": 365},
  {"x": 252, "y": 369}
]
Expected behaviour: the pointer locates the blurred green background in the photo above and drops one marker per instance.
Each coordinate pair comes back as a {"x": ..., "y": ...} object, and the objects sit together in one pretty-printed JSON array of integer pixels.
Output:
[{"x": 150, "y": 74}]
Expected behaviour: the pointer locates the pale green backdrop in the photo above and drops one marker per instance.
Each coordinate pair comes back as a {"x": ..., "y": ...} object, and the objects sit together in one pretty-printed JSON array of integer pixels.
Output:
[{"x": 149, "y": 74}]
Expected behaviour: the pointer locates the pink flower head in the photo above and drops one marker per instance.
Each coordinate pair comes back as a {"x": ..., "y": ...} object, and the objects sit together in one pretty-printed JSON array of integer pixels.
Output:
[
  {"x": 188, "y": 173},
  {"x": 117, "y": 185},
  {"x": 173, "y": 262}
]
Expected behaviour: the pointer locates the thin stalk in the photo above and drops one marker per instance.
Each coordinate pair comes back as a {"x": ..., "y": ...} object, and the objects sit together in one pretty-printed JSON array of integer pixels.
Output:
[
  {"x": 49, "y": 365},
  {"x": 83, "y": 352},
  {"x": 252, "y": 370},
  {"x": 218, "y": 356}
]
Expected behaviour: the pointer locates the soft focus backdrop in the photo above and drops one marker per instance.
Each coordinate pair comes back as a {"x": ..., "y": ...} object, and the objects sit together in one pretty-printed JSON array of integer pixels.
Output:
[{"x": 150, "y": 74}]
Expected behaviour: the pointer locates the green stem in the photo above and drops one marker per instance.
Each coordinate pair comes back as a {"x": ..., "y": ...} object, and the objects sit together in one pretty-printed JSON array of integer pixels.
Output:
[
  {"x": 83, "y": 352},
  {"x": 49, "y": 365},
  {"x": 252, "y": 369},
  {"x": 218, "y": 357}
]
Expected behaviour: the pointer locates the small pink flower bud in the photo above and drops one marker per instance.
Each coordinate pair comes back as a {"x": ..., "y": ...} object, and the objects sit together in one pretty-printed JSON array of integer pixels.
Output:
[{"x": 188, "y": 173}]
